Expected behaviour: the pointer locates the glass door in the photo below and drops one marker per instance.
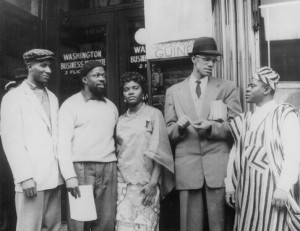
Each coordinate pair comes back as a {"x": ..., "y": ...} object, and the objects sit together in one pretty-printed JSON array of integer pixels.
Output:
[{"x": 85, "y": 38}]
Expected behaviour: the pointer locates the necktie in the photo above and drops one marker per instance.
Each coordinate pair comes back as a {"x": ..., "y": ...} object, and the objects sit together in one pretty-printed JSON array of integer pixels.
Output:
[{"x": 198, "y": 88}]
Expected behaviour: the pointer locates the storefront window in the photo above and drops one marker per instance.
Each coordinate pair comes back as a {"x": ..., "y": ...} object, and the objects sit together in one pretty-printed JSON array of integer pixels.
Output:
[
  {"x": 137, "y": 47},
  {"x": 78, "y": 46},
  {"x": 280, "y": 37}
]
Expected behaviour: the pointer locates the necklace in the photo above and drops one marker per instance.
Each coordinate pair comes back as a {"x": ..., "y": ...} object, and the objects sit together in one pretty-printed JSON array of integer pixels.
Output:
[{"x": 135, "y": 114}]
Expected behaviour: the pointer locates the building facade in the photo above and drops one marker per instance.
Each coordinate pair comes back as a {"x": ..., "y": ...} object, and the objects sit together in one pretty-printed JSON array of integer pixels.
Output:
[{"x": 250, "y": 34}]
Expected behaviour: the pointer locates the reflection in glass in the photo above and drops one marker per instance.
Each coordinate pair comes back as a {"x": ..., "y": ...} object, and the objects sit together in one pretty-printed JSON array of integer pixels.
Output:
[
  {"x": 137, "y": 52},
  {"x": 31, "y": 6}
]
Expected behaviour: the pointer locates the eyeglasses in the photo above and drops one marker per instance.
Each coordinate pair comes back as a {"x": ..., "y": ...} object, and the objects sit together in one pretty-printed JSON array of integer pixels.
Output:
[{"x": 208, "y": 59}]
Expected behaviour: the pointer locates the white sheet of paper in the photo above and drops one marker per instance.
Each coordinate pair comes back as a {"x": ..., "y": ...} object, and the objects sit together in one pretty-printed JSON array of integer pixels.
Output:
[{"x": 83, "y": 208}]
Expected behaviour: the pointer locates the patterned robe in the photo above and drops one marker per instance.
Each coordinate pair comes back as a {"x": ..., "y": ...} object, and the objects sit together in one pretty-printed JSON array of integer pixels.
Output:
[{"x": 256, "y": 170}]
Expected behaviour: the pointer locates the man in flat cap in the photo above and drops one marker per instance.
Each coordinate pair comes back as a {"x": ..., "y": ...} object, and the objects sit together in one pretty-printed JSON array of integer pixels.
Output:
[
  {"x": 86, "y": 146},
  {"x": 264, "y": 161},
  {"x": 29, "y": 136},
  {"x": 195, "y": 111}
]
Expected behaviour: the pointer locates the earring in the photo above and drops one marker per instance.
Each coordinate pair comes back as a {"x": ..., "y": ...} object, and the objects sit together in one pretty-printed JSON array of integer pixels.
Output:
[{"x": 125, "y": 101}]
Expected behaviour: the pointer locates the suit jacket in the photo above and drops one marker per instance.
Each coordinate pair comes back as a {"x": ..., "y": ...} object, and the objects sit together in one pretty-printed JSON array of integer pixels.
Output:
[
  {"x": 29, "y": 137},
  {"x": 198, "y": 159}
]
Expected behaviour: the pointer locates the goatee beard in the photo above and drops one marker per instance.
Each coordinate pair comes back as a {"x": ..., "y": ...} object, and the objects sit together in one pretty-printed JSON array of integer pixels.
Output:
[{"x": 98, "y": 93}]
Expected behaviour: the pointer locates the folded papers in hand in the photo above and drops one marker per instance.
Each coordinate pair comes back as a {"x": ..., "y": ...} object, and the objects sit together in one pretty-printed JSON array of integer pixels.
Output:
[
  {"x": 83, "y": 208},
  {"x": 218, "y": 111}
]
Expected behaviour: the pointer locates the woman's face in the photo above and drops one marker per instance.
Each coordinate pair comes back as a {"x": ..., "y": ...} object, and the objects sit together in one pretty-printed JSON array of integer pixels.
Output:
[{"x": 133, "y": 93}]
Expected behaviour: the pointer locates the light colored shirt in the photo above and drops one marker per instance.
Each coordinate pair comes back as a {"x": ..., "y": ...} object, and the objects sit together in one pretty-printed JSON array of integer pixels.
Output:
[
  {"x": 198, "y": 101},
  {"x": 42, "y": 96},
  {"x": 86, "y": 132}
]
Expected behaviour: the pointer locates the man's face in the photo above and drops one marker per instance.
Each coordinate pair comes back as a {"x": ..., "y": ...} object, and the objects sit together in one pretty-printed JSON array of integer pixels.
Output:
[
  {"x": 39, "y": 72},
  {"x": 95, "y": 81},
  {"x": 255, "y": 91},
  {"x": 204, "y": 64}
]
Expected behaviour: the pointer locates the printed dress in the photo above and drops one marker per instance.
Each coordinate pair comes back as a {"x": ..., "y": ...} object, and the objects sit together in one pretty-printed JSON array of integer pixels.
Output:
[
  {"x": 141, "y": 139},
  {"x": 256, "y": 170}
]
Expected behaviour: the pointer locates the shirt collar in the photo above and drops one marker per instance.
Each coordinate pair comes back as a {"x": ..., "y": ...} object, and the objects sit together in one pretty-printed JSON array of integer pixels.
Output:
[
  {"x": 193, "y": 79},
  {"x": 87, "y": 97},
  {"x": 33, "y": 86}
]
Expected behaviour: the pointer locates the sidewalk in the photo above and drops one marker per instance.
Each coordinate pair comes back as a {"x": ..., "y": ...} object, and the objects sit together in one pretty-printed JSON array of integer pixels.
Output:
[{"x": 64, "y": 227}]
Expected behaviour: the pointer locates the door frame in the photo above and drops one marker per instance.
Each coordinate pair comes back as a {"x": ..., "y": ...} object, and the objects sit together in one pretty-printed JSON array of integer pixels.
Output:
[
  {"x": 95, "y": 19},
  {"x": 124, "y": 16}
]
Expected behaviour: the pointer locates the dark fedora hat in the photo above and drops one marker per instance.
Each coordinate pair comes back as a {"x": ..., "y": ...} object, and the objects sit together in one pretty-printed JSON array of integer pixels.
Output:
[{"x": 206, "y": 46}]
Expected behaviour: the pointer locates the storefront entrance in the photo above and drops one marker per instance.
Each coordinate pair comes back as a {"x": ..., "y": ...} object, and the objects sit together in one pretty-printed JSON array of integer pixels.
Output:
[{"x": 104, "y": 35}]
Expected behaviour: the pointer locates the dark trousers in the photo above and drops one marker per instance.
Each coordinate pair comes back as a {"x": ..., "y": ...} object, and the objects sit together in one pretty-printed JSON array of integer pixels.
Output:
[
  {"x": 204, "y": 207},
  {"x": 103, "y": 177}
]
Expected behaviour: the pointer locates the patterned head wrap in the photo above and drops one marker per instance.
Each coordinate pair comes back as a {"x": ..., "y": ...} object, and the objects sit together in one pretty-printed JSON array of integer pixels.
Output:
[{"x": 268, "y": 76}]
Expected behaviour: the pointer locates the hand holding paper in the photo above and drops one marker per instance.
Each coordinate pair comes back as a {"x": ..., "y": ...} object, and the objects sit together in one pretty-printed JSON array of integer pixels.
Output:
[
  {"x": 72, "y": 187},
  {"x": 83, "y": 208}
]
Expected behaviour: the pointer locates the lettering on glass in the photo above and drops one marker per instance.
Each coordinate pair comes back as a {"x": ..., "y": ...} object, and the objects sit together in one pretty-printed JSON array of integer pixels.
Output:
[{"x": 72, "y": 62}]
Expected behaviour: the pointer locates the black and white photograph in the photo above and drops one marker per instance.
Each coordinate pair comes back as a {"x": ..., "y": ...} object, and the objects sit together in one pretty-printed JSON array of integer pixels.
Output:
[{"x": 149, "y": 115}]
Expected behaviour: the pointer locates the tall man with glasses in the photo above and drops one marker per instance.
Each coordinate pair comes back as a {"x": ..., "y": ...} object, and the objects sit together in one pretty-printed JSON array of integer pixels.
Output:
[
  {"x": 195, "y": 124},
  {"x": 86, "y": 147}
]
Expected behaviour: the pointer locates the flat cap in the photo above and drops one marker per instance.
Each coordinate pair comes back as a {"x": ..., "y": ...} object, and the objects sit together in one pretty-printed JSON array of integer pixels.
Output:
[
  {"x": 38, "y": 54},
  {"x": 88, "y": 66}
]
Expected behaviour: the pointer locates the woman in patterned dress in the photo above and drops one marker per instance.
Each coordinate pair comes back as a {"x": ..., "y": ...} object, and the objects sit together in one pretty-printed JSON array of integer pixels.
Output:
[{"x": 145, "y": 161}]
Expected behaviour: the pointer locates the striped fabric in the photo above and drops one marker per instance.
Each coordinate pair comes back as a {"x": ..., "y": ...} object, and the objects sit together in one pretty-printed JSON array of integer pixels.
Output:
[
  {"x": 256, "y": 169},
  {"x": 267, "y": 76}
]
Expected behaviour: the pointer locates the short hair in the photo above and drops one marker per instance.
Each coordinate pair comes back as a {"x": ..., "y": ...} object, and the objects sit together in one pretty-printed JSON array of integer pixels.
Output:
[{"x": 135, "y": 77}]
